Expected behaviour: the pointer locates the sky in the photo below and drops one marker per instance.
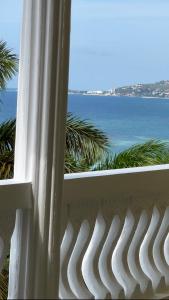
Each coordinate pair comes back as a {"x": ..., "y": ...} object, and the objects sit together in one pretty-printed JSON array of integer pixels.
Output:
[
  {"x": 118, "y": 42},
  {"x": 10, "y": 26},
  {"x": 113, "y": 42}
]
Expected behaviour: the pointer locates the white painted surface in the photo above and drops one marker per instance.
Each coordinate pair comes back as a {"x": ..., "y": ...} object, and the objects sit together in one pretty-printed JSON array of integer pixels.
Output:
[
  {"x": 39, "y": 154},
  {"x": 115, "y": 233},
  {"x": 116, "y": 171},
  {"x": 14, "y": 195}
]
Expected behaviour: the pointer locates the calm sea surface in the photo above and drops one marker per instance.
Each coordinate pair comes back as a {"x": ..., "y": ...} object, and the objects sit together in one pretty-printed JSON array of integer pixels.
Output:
[{"x": 125, "y": 120}]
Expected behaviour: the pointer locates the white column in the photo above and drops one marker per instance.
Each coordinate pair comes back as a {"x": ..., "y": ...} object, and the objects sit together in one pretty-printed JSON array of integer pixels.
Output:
[{"x": 39, "y": 156}]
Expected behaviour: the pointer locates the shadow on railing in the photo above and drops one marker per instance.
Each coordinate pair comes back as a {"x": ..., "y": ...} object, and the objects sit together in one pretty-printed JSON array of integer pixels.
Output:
[
  {"x": 13, "y": 195},
  {"x": 115, "y": 235}
]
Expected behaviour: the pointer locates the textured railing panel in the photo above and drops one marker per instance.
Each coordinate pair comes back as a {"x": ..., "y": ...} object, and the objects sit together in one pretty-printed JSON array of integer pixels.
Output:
[
  {"x": 116, "y": 245},
  {"x": 74, "y": 267},
  {"x": 13, "y": 195},
  {"x": 106, "y": 274},
  {"x": 7, "y": 222}
]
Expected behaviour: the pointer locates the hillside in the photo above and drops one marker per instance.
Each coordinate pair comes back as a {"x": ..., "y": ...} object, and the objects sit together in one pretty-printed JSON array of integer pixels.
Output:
[{"x": 158, "y": 89}]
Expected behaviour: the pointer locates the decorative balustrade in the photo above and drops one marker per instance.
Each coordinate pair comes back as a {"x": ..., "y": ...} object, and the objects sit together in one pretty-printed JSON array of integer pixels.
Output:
[
  {"x": 13, "y": 195},
  {"x": 115, "y": 236}
]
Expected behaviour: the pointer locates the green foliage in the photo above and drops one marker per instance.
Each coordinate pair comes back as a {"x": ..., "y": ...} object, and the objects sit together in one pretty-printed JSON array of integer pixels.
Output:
[
  {"x": 7, "y": 141},
  {"x": 152, "y": 152},
  {"x": 149, "y": 153},
  {"x": 73, "y": 165},
  {"x": 7, "y": 136},
  {"x": 4, "y": 285},
  {"x": 8, "y": 68},
  {"x": 85, "y": 144},
  {"x": 8, "y": 64},
  {"x": 4, "y": 277}
]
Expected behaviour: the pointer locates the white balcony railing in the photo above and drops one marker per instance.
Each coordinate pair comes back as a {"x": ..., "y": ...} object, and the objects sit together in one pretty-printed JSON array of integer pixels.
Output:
[
  {"x": 13, "y": 196},
  {"x": 115, "y": 236}
]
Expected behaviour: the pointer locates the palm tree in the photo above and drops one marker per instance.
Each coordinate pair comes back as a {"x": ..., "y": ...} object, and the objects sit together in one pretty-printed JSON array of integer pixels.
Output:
[
  {"x": 152, "y": 152},
  {"x": 85, "y": 145},
  {"x": 8, "y": 68},
  {"x": 7, "y": 142},
  {"x": 8, "y": 64},
  {"x": 86, "y": 148}
]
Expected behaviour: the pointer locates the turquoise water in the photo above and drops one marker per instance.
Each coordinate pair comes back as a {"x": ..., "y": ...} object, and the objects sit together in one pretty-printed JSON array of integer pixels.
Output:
[{"x": 125, "y": 120}]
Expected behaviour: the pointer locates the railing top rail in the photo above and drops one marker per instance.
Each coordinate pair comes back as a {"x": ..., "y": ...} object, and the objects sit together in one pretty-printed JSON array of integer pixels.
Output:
[
  {"x": 15, "y": 194},
  {"x": 116, "y": 172},
  {"x": 13, "y": 181},
  {"x": 138, "y": 187}
]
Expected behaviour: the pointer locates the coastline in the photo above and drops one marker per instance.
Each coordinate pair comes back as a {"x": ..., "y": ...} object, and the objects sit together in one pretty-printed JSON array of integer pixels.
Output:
[
  {"x": 99, "y": 95},
  {"x": 118, "y": 96},
  {"x": 159, "y": 90}
]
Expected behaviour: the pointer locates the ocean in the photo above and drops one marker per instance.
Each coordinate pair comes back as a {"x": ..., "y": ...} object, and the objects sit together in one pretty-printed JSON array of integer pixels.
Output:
[{"x": 125, "y": 120}]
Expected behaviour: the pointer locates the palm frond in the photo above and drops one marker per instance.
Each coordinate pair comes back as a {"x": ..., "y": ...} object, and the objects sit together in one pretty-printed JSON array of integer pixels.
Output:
[
  {"x": 105, "y": 163},
  {"x": 7, "y": 136},
  {"x": 153, "y": 152},
  {"x": 4, "y": 284},
  {"x": 8, "y": 64},
  {"x": 84, "y": 140},
  {"x": 7, "y": 141},
  {"x": 149, "y": 153},
  {"x": 74, "y": 165},
  {"x": 6, "y": 165}
]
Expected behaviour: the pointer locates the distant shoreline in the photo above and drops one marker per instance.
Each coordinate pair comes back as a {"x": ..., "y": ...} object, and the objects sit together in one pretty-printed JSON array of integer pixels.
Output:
[
  {"x": 118, "y": 96},
  {"x": 99, "y": 94},
  {"x": 142, "y": 90}
]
